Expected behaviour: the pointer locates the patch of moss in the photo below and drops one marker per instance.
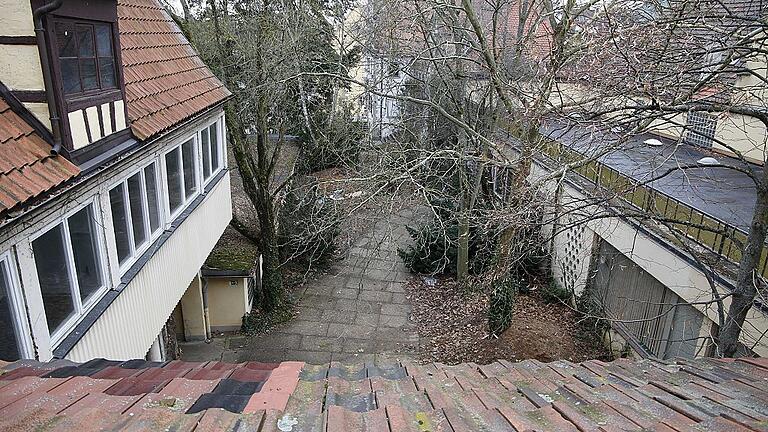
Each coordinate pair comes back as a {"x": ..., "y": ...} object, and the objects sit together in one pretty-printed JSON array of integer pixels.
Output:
[
  {"x": 258, "y": 322},
  {"x": 593, "y": 413},
  {"x": 233, "y": 252}
]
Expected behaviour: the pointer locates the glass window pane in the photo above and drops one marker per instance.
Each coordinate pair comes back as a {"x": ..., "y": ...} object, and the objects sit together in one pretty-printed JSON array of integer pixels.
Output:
[
  {"x": 214, "y": 146},
  {"x": 70, "y": 76},
  {"x": 173, "y": 169},
  {"x": 137, "y": 210},
  {"x": 65, "y": 39},
  {"x": 55, "y": 286},
  {"x": 152, "y": 201},
  {"x": 82, "y": 233},
  {"x": 88, "y": 74},
  {"x": 9, "y": 341},
  {"x": 85, "y": 41},
  {"x": 120, "y": 222},
  {"x": 190, "y": 180},
  {"x": 206, "y": 147},
  {"x": 107, "y": 72},
  {"x": 104, "y": 40}
]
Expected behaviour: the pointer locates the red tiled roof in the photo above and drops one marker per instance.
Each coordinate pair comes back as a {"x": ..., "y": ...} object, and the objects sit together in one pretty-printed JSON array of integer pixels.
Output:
[
  {"x": 537, "y": 31},
  {"x": 27, "y": 168},
  {"x": 166, "y": 82},
  {"x": 703, "y": 394}
]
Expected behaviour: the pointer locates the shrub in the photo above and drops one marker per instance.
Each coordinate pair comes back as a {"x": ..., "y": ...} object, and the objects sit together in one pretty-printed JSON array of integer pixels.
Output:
[
  {"x": 592, "y": 312},
  {"x": 258, "y": 321},
  {"x": 555, "y": 293},
  {"x": 435, "y": 248},
  {"x": 336, "y": 147},
  {"x": 309, "y": 226},
  {"x": 502, "y": 301}
]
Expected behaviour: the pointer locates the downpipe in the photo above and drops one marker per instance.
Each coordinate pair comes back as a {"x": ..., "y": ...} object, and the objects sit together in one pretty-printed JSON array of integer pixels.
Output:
[
  {"x": 206, "y": 315},
  {"x": 42, "y": 47}
]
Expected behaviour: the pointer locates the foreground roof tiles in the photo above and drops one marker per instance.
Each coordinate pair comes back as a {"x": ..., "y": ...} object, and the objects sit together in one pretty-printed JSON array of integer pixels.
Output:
[
  {"x": 27, "y": 168},
  {"x": 166, "y": 82},
  {"x": 697, "y": 395}
]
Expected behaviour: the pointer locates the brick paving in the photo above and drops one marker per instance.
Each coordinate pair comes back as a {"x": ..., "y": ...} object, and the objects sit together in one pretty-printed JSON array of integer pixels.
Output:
[{"x": 358, "y": 312}]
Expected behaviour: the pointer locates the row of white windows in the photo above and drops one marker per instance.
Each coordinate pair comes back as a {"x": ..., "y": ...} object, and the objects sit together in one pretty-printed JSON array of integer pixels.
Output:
[{"x": 70, "y": 256}]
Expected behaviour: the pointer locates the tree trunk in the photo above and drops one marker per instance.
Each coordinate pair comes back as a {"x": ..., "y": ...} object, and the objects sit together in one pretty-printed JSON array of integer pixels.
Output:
[
  {"x": 462, "y": 258},
  {"x": 747, "y": 279},
  {"x": 305, "y": 111},
  {"x": 272, "y": 279},
  {"x": 256, "y": 174}
]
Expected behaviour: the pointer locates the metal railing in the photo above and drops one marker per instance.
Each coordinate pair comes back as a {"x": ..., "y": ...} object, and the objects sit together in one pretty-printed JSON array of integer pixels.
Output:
[{"x": 706, "y": 231}]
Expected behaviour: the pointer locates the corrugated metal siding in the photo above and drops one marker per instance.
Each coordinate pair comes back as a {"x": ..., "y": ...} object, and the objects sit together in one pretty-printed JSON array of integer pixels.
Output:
[
  {"x": 663, "y": 322},
  {"x": 132, "y": 322}
]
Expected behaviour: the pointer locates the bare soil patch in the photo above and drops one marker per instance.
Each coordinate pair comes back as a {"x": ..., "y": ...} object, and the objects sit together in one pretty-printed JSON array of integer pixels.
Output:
[{"x": 453, "y": 326}]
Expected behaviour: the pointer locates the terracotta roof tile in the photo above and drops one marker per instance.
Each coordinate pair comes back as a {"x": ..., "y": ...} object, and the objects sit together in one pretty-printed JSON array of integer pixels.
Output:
[
  {"x": 27, "y": 169},
  {"x": 166, "y": 82},
  {"x": 685, "y": 395}
]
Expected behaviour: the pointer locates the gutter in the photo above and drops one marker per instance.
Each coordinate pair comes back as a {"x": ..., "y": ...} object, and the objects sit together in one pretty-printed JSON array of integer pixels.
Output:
[
  {"x": 42, "y": 47},
  {"x": 91, "y": 172}
]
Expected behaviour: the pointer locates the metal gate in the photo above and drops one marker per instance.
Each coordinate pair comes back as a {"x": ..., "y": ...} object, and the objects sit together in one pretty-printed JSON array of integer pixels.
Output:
[{"x": 652, "y": 313}]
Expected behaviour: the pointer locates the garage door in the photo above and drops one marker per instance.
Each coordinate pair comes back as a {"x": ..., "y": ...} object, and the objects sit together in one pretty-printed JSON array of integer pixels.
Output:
[{"x": 657, "y": 317}]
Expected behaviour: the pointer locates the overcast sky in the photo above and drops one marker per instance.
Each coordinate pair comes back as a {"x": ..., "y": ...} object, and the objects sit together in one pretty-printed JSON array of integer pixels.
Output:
[{"x": 176, "y": 4}]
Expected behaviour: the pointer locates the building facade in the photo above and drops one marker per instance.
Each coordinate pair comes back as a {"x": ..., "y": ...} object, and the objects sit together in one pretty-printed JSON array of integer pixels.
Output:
[
  {"x": 656, "y": 252},
  {"x": 123, "y": 190}
]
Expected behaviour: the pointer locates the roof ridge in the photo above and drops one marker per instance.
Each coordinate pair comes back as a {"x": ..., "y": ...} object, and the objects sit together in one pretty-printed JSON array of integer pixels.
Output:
[
  {"x": 401, "y": 395},
  {"x": 152, "y": 46}
]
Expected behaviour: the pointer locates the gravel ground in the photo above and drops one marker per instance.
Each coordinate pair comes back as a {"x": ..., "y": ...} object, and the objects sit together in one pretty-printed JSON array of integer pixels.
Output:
[{"x": 453, "y": 325}]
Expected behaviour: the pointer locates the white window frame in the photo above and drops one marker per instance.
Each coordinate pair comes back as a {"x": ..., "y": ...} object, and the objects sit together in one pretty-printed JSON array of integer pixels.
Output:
[
  {"x": 221, "y": 153},
  {"x": 18, "y": 309},
  {"x": 223, "y": 143},
  {"x": 135, "y": 253},
  {"x": 172, "y": 215},
  {"x": 81, "y": 309}
]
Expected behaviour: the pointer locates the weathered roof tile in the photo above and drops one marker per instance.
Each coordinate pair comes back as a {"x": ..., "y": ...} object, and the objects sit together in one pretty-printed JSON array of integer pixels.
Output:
[
  {"x": 27, "y": 168},
  {"x": 166, "y": 82},
  {"x": 498, "y": 397}
]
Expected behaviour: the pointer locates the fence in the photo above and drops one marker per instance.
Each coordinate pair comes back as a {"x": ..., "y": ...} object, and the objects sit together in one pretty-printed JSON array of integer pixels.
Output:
[{"x": 708, "y": 232}]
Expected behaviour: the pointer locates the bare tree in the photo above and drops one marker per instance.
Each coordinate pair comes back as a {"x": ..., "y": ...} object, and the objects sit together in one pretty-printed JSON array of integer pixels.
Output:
[
  {"x": 468, "y": 97},
  {"x": 604, "y": 68},
  {"x": 260, "y": 49}
]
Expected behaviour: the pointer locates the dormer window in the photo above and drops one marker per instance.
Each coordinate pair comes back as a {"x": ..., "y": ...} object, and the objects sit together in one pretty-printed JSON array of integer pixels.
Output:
[{"x": 86, "y": 56}]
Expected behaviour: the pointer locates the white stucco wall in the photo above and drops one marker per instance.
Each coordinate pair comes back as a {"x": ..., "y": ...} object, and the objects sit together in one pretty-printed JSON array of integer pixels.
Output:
[
  {"x": 20, "y": 68},
  {"x": 17, "y": 18},
  {"x": 24, "y": 72},
  {"x": 740, "y": 133},
  {"x": 227, "y": 303}
]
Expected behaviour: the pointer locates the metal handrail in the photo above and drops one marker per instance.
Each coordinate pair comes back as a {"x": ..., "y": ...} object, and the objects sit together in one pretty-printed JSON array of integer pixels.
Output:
[{"x": 650, "y": 199}]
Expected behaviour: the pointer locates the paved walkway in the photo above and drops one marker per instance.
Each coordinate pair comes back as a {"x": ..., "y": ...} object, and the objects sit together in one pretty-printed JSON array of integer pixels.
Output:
[{"x": 358, "y": 312}]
